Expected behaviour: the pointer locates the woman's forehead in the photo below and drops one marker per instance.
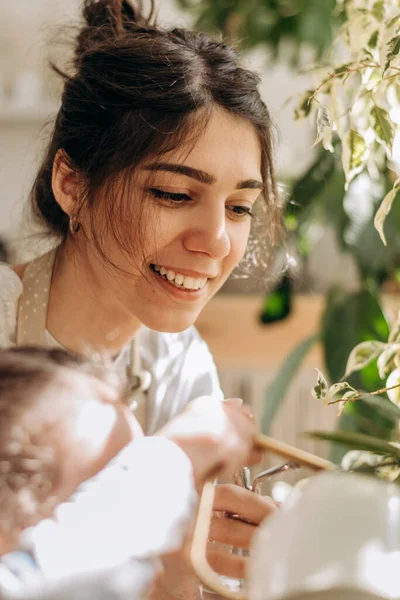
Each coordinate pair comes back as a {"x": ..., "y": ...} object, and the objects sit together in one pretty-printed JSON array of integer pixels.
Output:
[{"x": 225, "y": 146}]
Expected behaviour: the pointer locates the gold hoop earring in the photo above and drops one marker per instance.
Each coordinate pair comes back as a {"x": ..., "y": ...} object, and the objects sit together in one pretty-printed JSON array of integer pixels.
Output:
[{"x": 74, "y": 225}]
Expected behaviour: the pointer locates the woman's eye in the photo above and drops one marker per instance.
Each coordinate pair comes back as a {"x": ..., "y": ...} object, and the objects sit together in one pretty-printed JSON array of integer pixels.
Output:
[
  {"x": 169, "y": 196},
  {"x": 241, "y": 211}
]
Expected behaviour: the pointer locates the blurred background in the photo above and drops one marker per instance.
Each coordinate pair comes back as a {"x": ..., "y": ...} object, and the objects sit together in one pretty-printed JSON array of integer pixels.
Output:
[{"x": 330, "y": 297}]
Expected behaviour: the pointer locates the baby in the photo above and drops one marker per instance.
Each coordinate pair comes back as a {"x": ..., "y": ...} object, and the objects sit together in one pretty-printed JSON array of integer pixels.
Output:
[
  {"x": 61, "y": 421},
  {"x": 78, "y": 477}
]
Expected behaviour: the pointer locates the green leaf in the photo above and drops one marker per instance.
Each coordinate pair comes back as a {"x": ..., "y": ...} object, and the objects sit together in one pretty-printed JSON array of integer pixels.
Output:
[
  {"x": 320, "y": 389},
  {"x": 373, "y": 40},
  {"x": 315, "y": 22},
  {"x": 383, "y": 127},
  {"x": 313, "y": 182},
  {"x": 354, "y": 154},
  {"x": 363, "y": 354},
  {"x": 393, "y": 50},
  {"x": 350, "y": 319},
  {"x": 384, "y": 210},
  {"x": 393, "y": 22},
  {"x": 278, "y": 387},
  {"x": 343, "y": 69},
  {"x": 378, "y": 10},
  {"x": 358, "y": 441},
  {"x": 304, "y": 106},
  {"x": 360, "y": 236},
  {"x": 358, "y": 417},
  {"x": 383, "y": 406}
]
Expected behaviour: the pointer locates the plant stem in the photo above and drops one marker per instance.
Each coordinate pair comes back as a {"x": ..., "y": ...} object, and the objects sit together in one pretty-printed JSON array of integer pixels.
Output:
[
  {"x": 335, "y": 75},
  {"x": 360, "y": 395}
]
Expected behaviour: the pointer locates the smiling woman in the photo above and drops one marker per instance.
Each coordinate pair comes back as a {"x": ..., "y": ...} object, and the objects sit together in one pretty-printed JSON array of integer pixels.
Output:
[{"x": 160, "y": 155}]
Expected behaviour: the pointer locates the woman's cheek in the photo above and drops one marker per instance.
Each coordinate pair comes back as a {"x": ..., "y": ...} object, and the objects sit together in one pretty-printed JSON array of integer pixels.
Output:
[{"x": 239, "y": 241}]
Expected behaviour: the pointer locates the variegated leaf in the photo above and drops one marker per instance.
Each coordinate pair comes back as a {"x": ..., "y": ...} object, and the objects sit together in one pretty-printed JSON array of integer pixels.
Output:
[
  {"x": 324, "y": 128},
  {"x": 385, "y": 360},
  {"x": 383, "y": 127},
  {"x": 347, "y": 397},
  {"x": 363, "y": 354},
  {"x": 384, "y": 210},
  {"x": 354, "y": 154},
  {"x": 337, "y": 388},
  {"x": 393, "y": 48},
  {"x": 320, "y": 389}
]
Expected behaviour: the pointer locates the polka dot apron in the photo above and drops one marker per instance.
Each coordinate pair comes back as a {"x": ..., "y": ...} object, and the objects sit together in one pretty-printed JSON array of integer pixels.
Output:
[{"x": 32, "y": 320}]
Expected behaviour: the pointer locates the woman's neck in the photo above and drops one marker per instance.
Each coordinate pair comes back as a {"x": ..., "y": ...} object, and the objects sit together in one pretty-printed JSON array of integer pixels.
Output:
[{"x": 82, "y": 315}]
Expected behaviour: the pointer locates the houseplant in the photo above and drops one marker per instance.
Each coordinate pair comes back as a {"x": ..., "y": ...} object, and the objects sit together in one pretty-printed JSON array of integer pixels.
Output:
[
  {"x": 352, "y": 184},
  {"x": 358, "y": 102},
  {"x": 357, "y": 107}
]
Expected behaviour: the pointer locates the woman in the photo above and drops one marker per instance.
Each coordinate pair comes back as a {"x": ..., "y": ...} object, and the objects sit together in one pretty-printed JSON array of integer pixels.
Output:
[{"x": 160, "y": 155}]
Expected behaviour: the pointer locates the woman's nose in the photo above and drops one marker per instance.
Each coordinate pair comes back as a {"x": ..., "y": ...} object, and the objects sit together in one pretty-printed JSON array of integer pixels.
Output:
[{"x": 208, "y": 234}]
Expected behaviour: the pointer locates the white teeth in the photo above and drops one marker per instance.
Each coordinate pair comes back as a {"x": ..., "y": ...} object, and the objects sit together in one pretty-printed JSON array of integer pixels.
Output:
[
  {"x": 188, "y": 283},
  {"x": 179, "y": 280}
]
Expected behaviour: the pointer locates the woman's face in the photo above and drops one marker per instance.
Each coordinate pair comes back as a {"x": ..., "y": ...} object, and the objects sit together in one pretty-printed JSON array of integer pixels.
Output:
[{"x": 198, "y": 204}]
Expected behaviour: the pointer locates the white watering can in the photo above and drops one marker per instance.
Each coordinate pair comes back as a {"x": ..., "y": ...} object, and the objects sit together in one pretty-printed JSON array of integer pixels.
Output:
[{"x": 336, "y": 537}]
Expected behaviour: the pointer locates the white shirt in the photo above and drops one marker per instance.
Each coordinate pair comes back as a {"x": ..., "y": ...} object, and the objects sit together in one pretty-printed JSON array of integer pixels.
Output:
[
  {"x": 140, "y": 504},
  {"x": 130, "y": 581}
]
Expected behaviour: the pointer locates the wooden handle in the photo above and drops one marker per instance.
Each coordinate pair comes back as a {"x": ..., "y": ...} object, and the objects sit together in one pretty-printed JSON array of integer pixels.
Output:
[
  {"x": 263, "y": 442},
  {"x": 198, "y": 554}
]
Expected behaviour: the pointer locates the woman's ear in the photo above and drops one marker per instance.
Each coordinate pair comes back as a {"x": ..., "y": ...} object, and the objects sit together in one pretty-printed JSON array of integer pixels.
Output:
[{"x": 65, "y": 184}]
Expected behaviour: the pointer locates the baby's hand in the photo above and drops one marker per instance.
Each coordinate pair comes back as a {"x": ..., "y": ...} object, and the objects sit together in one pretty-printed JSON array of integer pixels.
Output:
[{"x": 216, "y": 436}]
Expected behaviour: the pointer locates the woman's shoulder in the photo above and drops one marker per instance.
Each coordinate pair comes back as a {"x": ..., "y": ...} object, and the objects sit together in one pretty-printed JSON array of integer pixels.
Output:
[{"x": 10, "y": 291}]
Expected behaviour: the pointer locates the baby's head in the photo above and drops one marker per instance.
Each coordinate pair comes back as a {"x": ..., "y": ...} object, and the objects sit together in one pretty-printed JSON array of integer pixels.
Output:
[{"x": 62, "y": 419}]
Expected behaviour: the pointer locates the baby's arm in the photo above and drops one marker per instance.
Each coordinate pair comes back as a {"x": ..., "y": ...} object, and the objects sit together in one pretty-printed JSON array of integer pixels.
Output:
[{"x": 139, "y": 506}]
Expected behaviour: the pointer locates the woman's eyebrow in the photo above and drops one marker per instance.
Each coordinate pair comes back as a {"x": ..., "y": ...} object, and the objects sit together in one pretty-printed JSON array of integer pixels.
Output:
[
  {"x": 201, "y": 176},
  {"x": 250, "y": 184}
]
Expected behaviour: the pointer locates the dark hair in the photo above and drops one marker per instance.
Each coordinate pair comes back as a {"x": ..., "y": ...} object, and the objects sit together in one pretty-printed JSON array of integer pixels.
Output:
[
  {"x": 30, "y": 466},
  {"x": 137, "y": 90}
]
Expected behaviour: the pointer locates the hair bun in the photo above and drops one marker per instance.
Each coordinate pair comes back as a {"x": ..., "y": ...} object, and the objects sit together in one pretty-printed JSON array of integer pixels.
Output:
[{"x": 106, "y": 19}]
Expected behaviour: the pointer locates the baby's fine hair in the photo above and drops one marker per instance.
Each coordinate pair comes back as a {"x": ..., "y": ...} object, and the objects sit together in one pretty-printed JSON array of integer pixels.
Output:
[{"x": 34, "y": 398}]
